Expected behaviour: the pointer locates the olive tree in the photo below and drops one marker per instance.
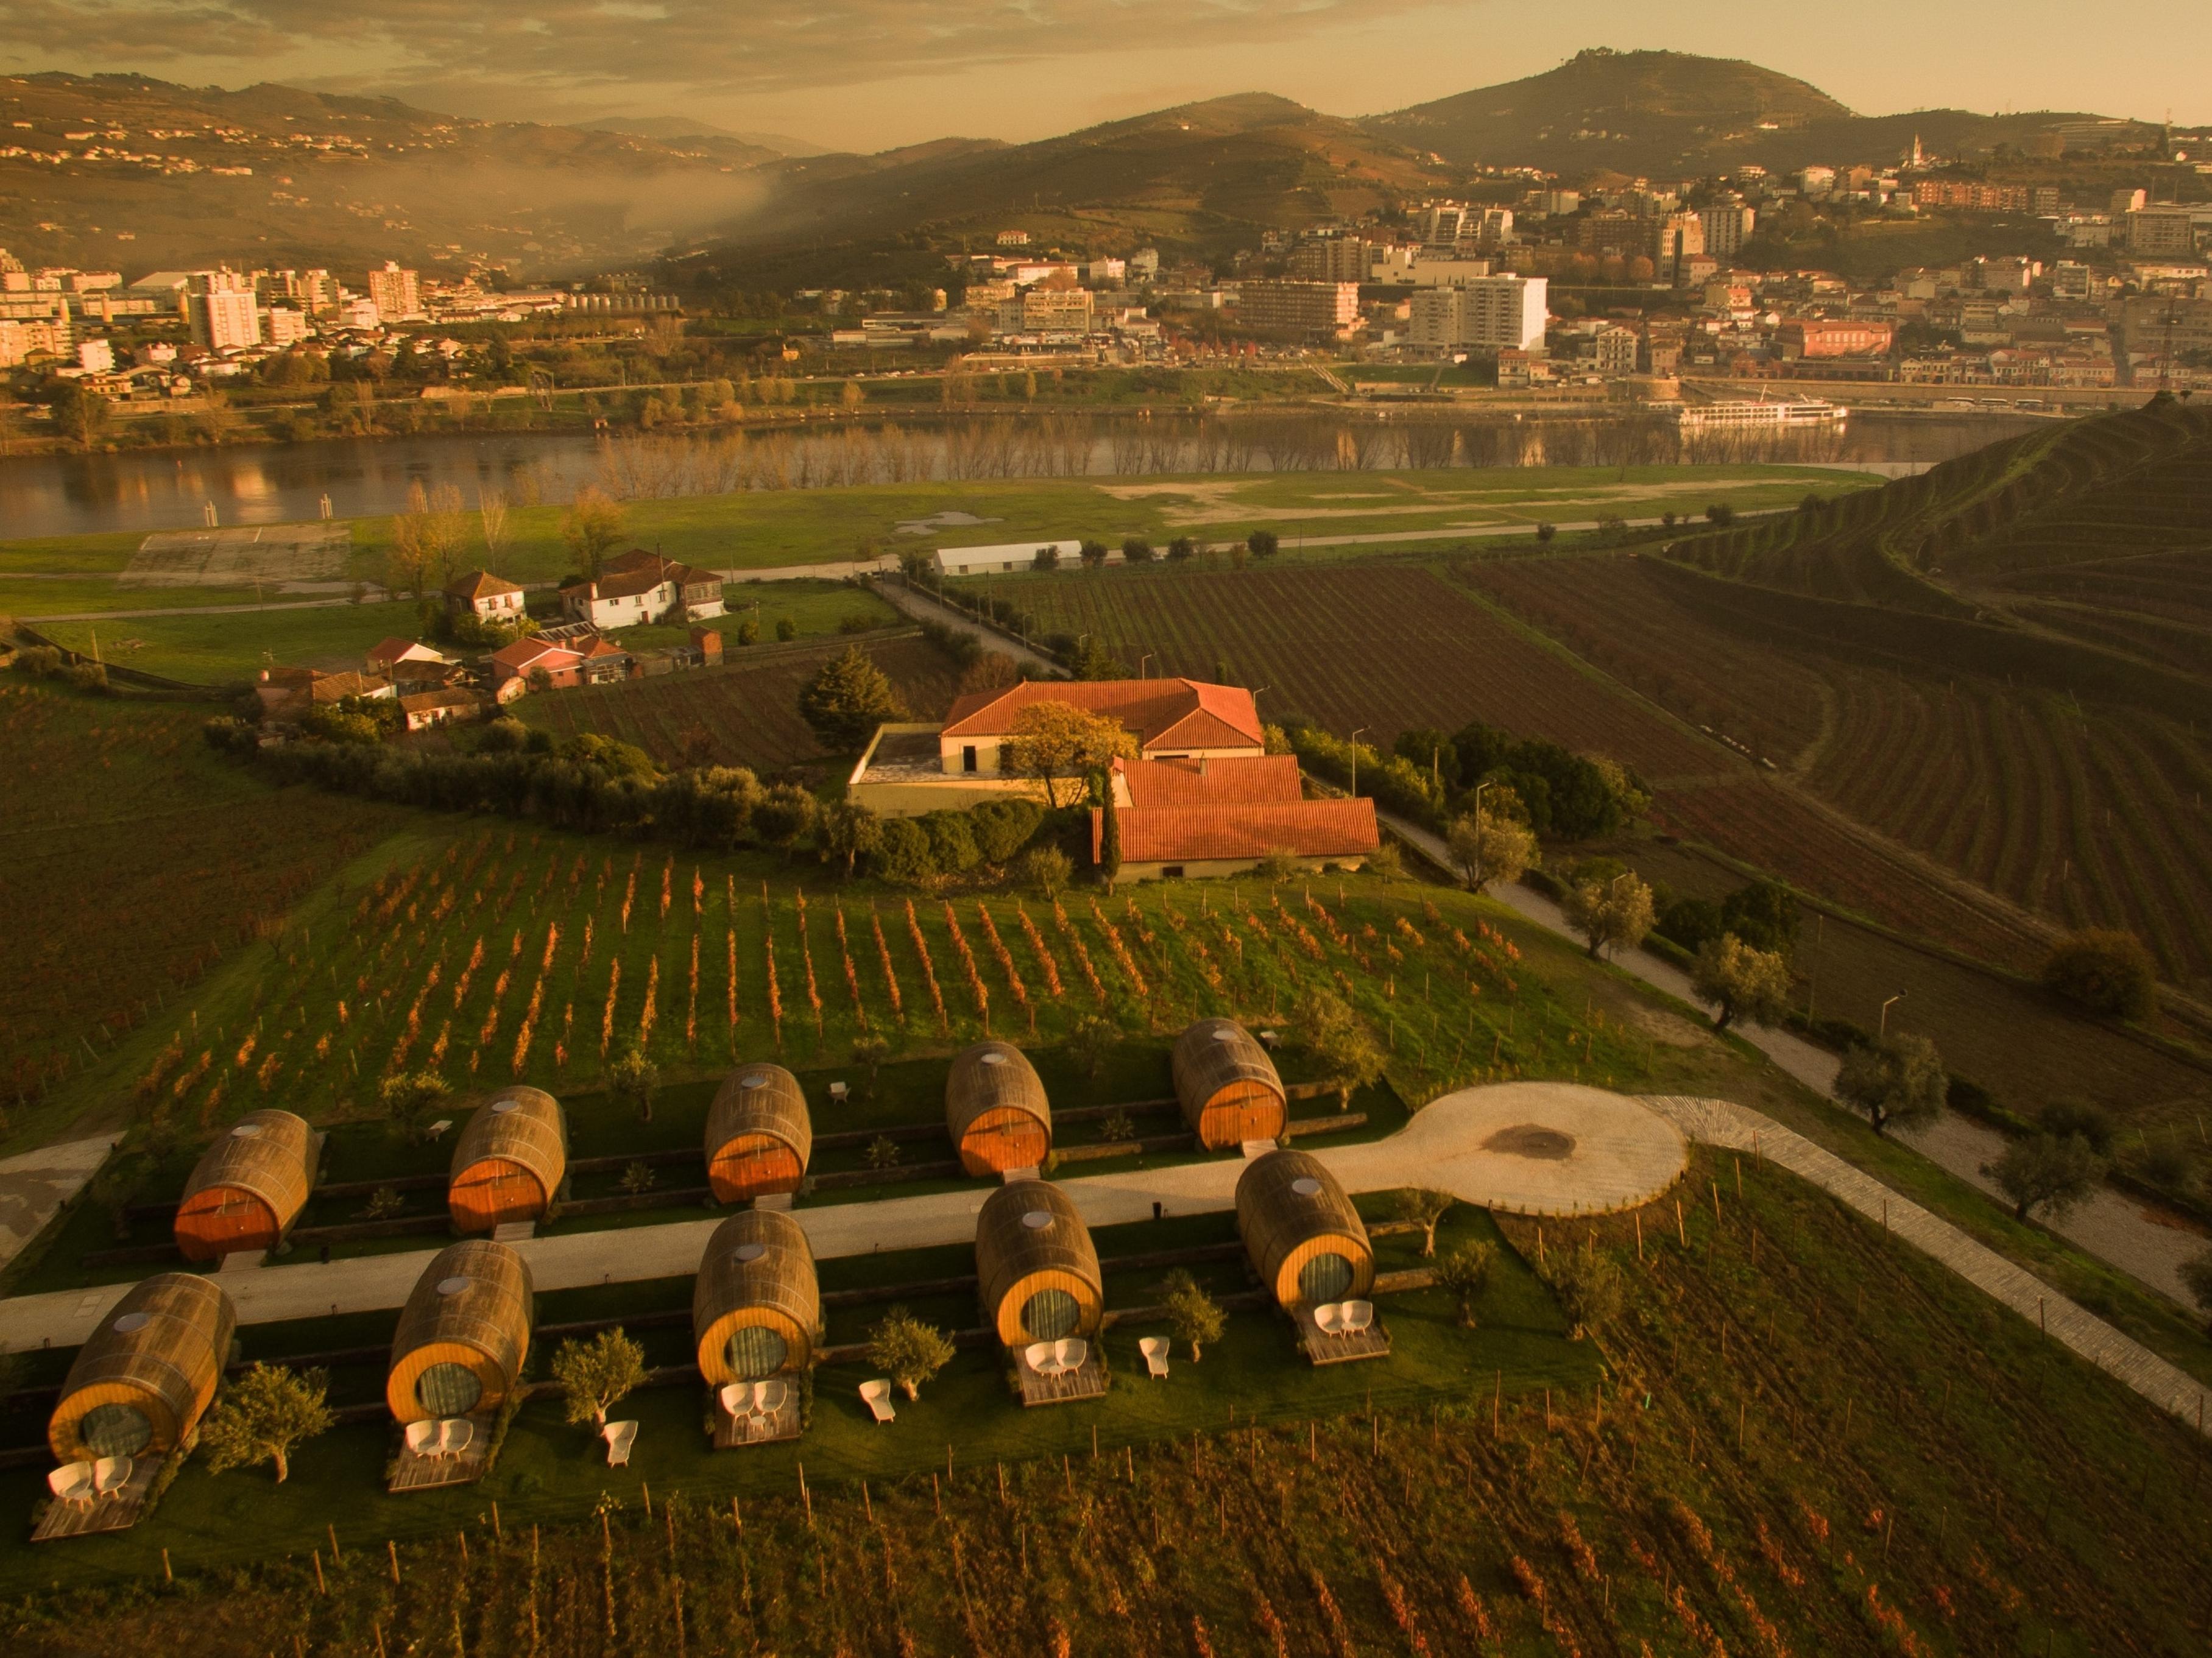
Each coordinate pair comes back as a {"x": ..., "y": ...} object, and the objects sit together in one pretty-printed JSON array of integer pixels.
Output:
[
  {"x": 1424, "y": 1205},
  {"x": 1610, "y": 915},
  {"x": 264, "y": 1416},
  {"x": 1464, "y": 1273},
  {"x": 1488, "y": 846},
  {"x": 908, "y": 1351},
  {"x": 2050, "y": 1172},
  {"x": 1196, "y": 1316},
  {"x": 593, "y": 1374},
  {"x": 1897, "y": 1080},
  {"x": 1742, "y": 981}
]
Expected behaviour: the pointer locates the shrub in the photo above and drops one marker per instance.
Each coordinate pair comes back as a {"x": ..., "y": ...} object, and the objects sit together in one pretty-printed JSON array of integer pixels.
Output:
[
  {"x": 38, "y": 661},
  {"x": 1182, "y": 547},
  {"x": 787, "y": 629},
  {"x": 1589, "y": 1284},
  {"x": 1003, "y": 828},
  {"x": 1464, "y": 1273},
  {"x": 2092, "y": 1122},
  {"x": 1263, "y": 543},
  {"x": 1047, "y": 868},
  {"x": 1137, "y": 550},
  {"x": 952, "y": 840},
  {"x": 2104, "y": 972},
  {"x": 904, "y": 855},
  {"x": 86, "y": 676}
]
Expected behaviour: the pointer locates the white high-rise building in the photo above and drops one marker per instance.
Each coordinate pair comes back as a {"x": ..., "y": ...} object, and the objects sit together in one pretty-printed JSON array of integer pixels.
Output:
[
  {"x": 395, "y": 292},
  {"x": 1485, "y": 314},
  {"x": 221, "y": 308},
  {"x": 1726, "y": 229}
]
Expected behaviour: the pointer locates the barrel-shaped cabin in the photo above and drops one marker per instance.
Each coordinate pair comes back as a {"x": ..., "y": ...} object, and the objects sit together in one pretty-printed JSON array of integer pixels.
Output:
[
  {"x": 142, "y": 1379},
  {"x": 759, "y": 1135},
  {"x": 248, "y": 1188},
  {"x": 755, "y": 1308},
  {"x": 508, "y": 1162},
  {"x": 1303, "y": 1235},
  {"x": 1036, "y": 1269},
  {"x": 1227, "y": 1085},
  {"x": 463, "y": 1335},
  {"x": 995, "y": 1110}
]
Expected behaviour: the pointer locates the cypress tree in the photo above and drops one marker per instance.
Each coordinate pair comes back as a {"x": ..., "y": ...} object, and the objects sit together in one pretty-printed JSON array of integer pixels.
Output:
[{"x": 1109, "y": 840}]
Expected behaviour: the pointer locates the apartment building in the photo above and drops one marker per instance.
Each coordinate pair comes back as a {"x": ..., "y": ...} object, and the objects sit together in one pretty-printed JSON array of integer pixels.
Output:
[
  {"x": 395, "y": 293},
  {"x": 221, "y": 311},
  {"x": 1309, "y": 307},
  {"x": 1483, "y": 313},
  {"x": 1726, "y": 229}
]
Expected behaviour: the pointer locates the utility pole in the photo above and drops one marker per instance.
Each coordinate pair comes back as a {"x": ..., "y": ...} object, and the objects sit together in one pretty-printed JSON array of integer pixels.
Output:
[
  {"x": 1884, "y": 1032},
  {"x": 1355, "y": 762}
]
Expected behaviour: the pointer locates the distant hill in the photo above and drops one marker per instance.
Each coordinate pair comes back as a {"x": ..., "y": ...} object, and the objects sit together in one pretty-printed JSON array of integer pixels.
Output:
[
  {"x": 675, "y": 129},
  {"x": 165, "y": 176},
  {"x": 1670, "y": 113},
  {"x": 1201, "y": 177}
]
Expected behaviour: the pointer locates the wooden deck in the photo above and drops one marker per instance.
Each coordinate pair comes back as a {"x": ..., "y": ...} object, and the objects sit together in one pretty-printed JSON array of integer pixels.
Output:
[
  {"x": 1373, "y": 1342},
  {"x": 1088, "y": 1381},
  {"x": 104, "y": 1513},
  {"x": 732, "y": 1433},
  {"x": 411, "y": 1472}
]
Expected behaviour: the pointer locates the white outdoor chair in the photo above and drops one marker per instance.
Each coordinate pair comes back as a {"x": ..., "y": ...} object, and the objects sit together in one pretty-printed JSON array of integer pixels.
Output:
[
  {"x": 1155, "y": 1350},
  {"x": 111, "y": 1474},
  {"x": 770, "y": 1396},
  {"x": 620, "y": 1436},
  {"x": 423, "y": 1438},
  {"x": 455, "y": 1435},
  {"x": 1359, "y": 1316},
  {"x": 877, "y": 1396},
  {"x": 738, "y": 1399},
  {"x": 1328, "y": 1319},
  {"x": 839, "y": 1092},
  {"x": 72, "y": 1483},
  {"x": 1039, "y": 1355},
  {"x": 1070, "y": 1352}
]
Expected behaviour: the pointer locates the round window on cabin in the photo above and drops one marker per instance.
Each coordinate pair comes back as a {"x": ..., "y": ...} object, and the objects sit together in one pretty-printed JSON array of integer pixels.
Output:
[
  {"x": 755, "y": 1351},
  {"x": 1224, "y": 1035},
  {"x": 115, "y": 1430},
  {"x": 994, "y": 1058},
  {"x": 131, "y": 1323},
  {"x": 1306, "y": 1186},
  {"x": 245, "y": 1131},
  {"x": 1324, "y": 1278},
  {"x": 753, "y": 1081},
  {"x": 449, "y": 1389},
  {"x": 1049, "y": 1314}
]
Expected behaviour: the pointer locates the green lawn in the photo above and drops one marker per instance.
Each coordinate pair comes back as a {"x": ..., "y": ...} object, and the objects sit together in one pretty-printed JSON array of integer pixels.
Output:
[{"x": 205, "y": 649}]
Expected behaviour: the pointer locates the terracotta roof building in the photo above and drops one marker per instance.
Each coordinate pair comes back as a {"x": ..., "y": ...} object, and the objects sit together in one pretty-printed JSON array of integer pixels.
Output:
[
  {"x": 1233, "y": 780},
  {"x": 642, "y": 586},
  {"x": 493, "y": 597},
  {"x": 1227, "y": 838}
]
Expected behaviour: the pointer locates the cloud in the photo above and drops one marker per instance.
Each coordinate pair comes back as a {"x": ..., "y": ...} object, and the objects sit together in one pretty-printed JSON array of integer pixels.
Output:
[{"x": 572, "y": 47}]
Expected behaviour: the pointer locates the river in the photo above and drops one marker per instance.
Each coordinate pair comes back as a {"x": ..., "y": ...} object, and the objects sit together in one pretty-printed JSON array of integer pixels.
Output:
[{"x": 68, "y": 495}]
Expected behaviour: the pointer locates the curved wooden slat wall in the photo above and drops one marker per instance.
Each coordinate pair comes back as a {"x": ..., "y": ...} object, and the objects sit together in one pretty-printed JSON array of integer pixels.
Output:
[
  {"x": 760, "y": 1135},
  {"x": 1015, "y": 1261},
  {"x": 757, "y": 1273},
  {"x": 508, "y": 1160},
  {"x": 160, "y": 1351},
  {"x": 1227, "y": 1084},
  {"x": 1284, "y": 1228},
  {"x": 248, "y": 1188},
  {"x": 995, "y": 1110},
  {"x": 472, "y": 1307}
]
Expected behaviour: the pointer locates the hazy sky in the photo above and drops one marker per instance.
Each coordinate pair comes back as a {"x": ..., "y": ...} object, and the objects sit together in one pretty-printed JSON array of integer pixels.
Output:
[{"x": 868, "y": 73}]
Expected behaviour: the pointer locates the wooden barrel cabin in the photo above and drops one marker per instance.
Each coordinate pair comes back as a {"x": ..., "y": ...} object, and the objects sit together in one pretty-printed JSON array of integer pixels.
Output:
[
  {"x": 1228, "y": 1086},
  {"x": 1304, "y": 1236},
  {"x": 755, "y": 1308},
  {"x": 144, "y": 1376},
  {"x": 995, "y": 1110},
  {"x": 463, "y": 1335},
  {"x": 1036, "y": 1270},
  {"x": 759, "y": 1135},
  {"x": 508, "y": 1160},
  {"x": 248, "y": 1188}
]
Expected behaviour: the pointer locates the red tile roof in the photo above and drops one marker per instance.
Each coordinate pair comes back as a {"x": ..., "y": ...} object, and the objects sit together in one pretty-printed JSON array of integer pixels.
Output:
[
  {"x": 385, "y": 652},
  {"x": 524, "y": 654},
  {"x": 1192, "y": 834},
  {"x": 1176, "y": 713},
  {"x": 481, "y": 584},
  {"x": 1234, "y": 779},
  {"x": 638, "y": 561}
]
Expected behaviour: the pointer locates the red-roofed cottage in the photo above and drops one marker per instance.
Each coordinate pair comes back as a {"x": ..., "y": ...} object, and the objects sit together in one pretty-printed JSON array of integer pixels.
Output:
[
  {"x": 640, "y": 586},
  {"x": 493, "y": 597}
]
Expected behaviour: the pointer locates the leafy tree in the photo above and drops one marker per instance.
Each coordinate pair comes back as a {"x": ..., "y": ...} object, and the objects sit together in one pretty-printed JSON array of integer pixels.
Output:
[
  {"x": 1195, "y": 1316},
  {"x": 632, "y": 1080},
  {"x": 845, "y": 702},
  {"x": 2197, "y": 1276},
  {"x": 1763, "y": 914},
  {"x": 594, "y": 1375},
  {"x": 1489, "y": 847},
  {"x": 1465, "y": 1274},
  {"x": 1047, "y": 869},
  {"x": 1058, "y": 743},
  {"x": 1092, "y": 660},
  {"x": 1611, "y": 915},
  {"x": 870, "y": 1051},
  {"x": 81, "y": 414},
  {"x": 1742, "y": 981},
  {"x": 783, "y": 817},
  {"x": 2103, "y": 971},
  {"x": 991, "y": 670},
  {"x": 1897, "y": 1080},
  {"x": 1424, "y": 1205},
  {"x": 1137, "y": 550},
  {"x": 786, "y": 629},
  {"x": 1181, "y": 548},
  {"x": 1091, "y": 1039},
  {"x": 1591, "y": 1287},
  {"x": 592, "y": 525},
  {"x": 1720, "y": 515},
  {"x": 1093, "y": 554},
  {"x": 1263, "y": 543},
  {"x": 2050, "y": 1172},
  {"x": 1545, "y": 531},
  {"x": 908, "y": 1351},
  {"x": 1046, "y": 558},
  {"x": 847, "y": 831},
  {"x": 1339, "y": 1039},
  {"x": 408, "y": 1100},
  {"x": 1386, "y": 861},
  {"x": 265, "y": 1415}
]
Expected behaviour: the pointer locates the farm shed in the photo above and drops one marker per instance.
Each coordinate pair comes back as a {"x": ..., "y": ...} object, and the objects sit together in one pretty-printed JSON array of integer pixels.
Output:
[
  {"x": 755, "y": 1309},
  {"x": 463, "y": 1335},
  {"x": 995, "y": 1110},
  {"x": 758, "y": 1133},
  {"x": 1304, "y": 1238},
  {"x": 1229, "y": 1087},
  {"x": 508, "y": 1160},
  {"x": 248, "y": 1188},
  {"x": 1036, "y": 1270},
  {"x": 143, "y": 1378}
]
